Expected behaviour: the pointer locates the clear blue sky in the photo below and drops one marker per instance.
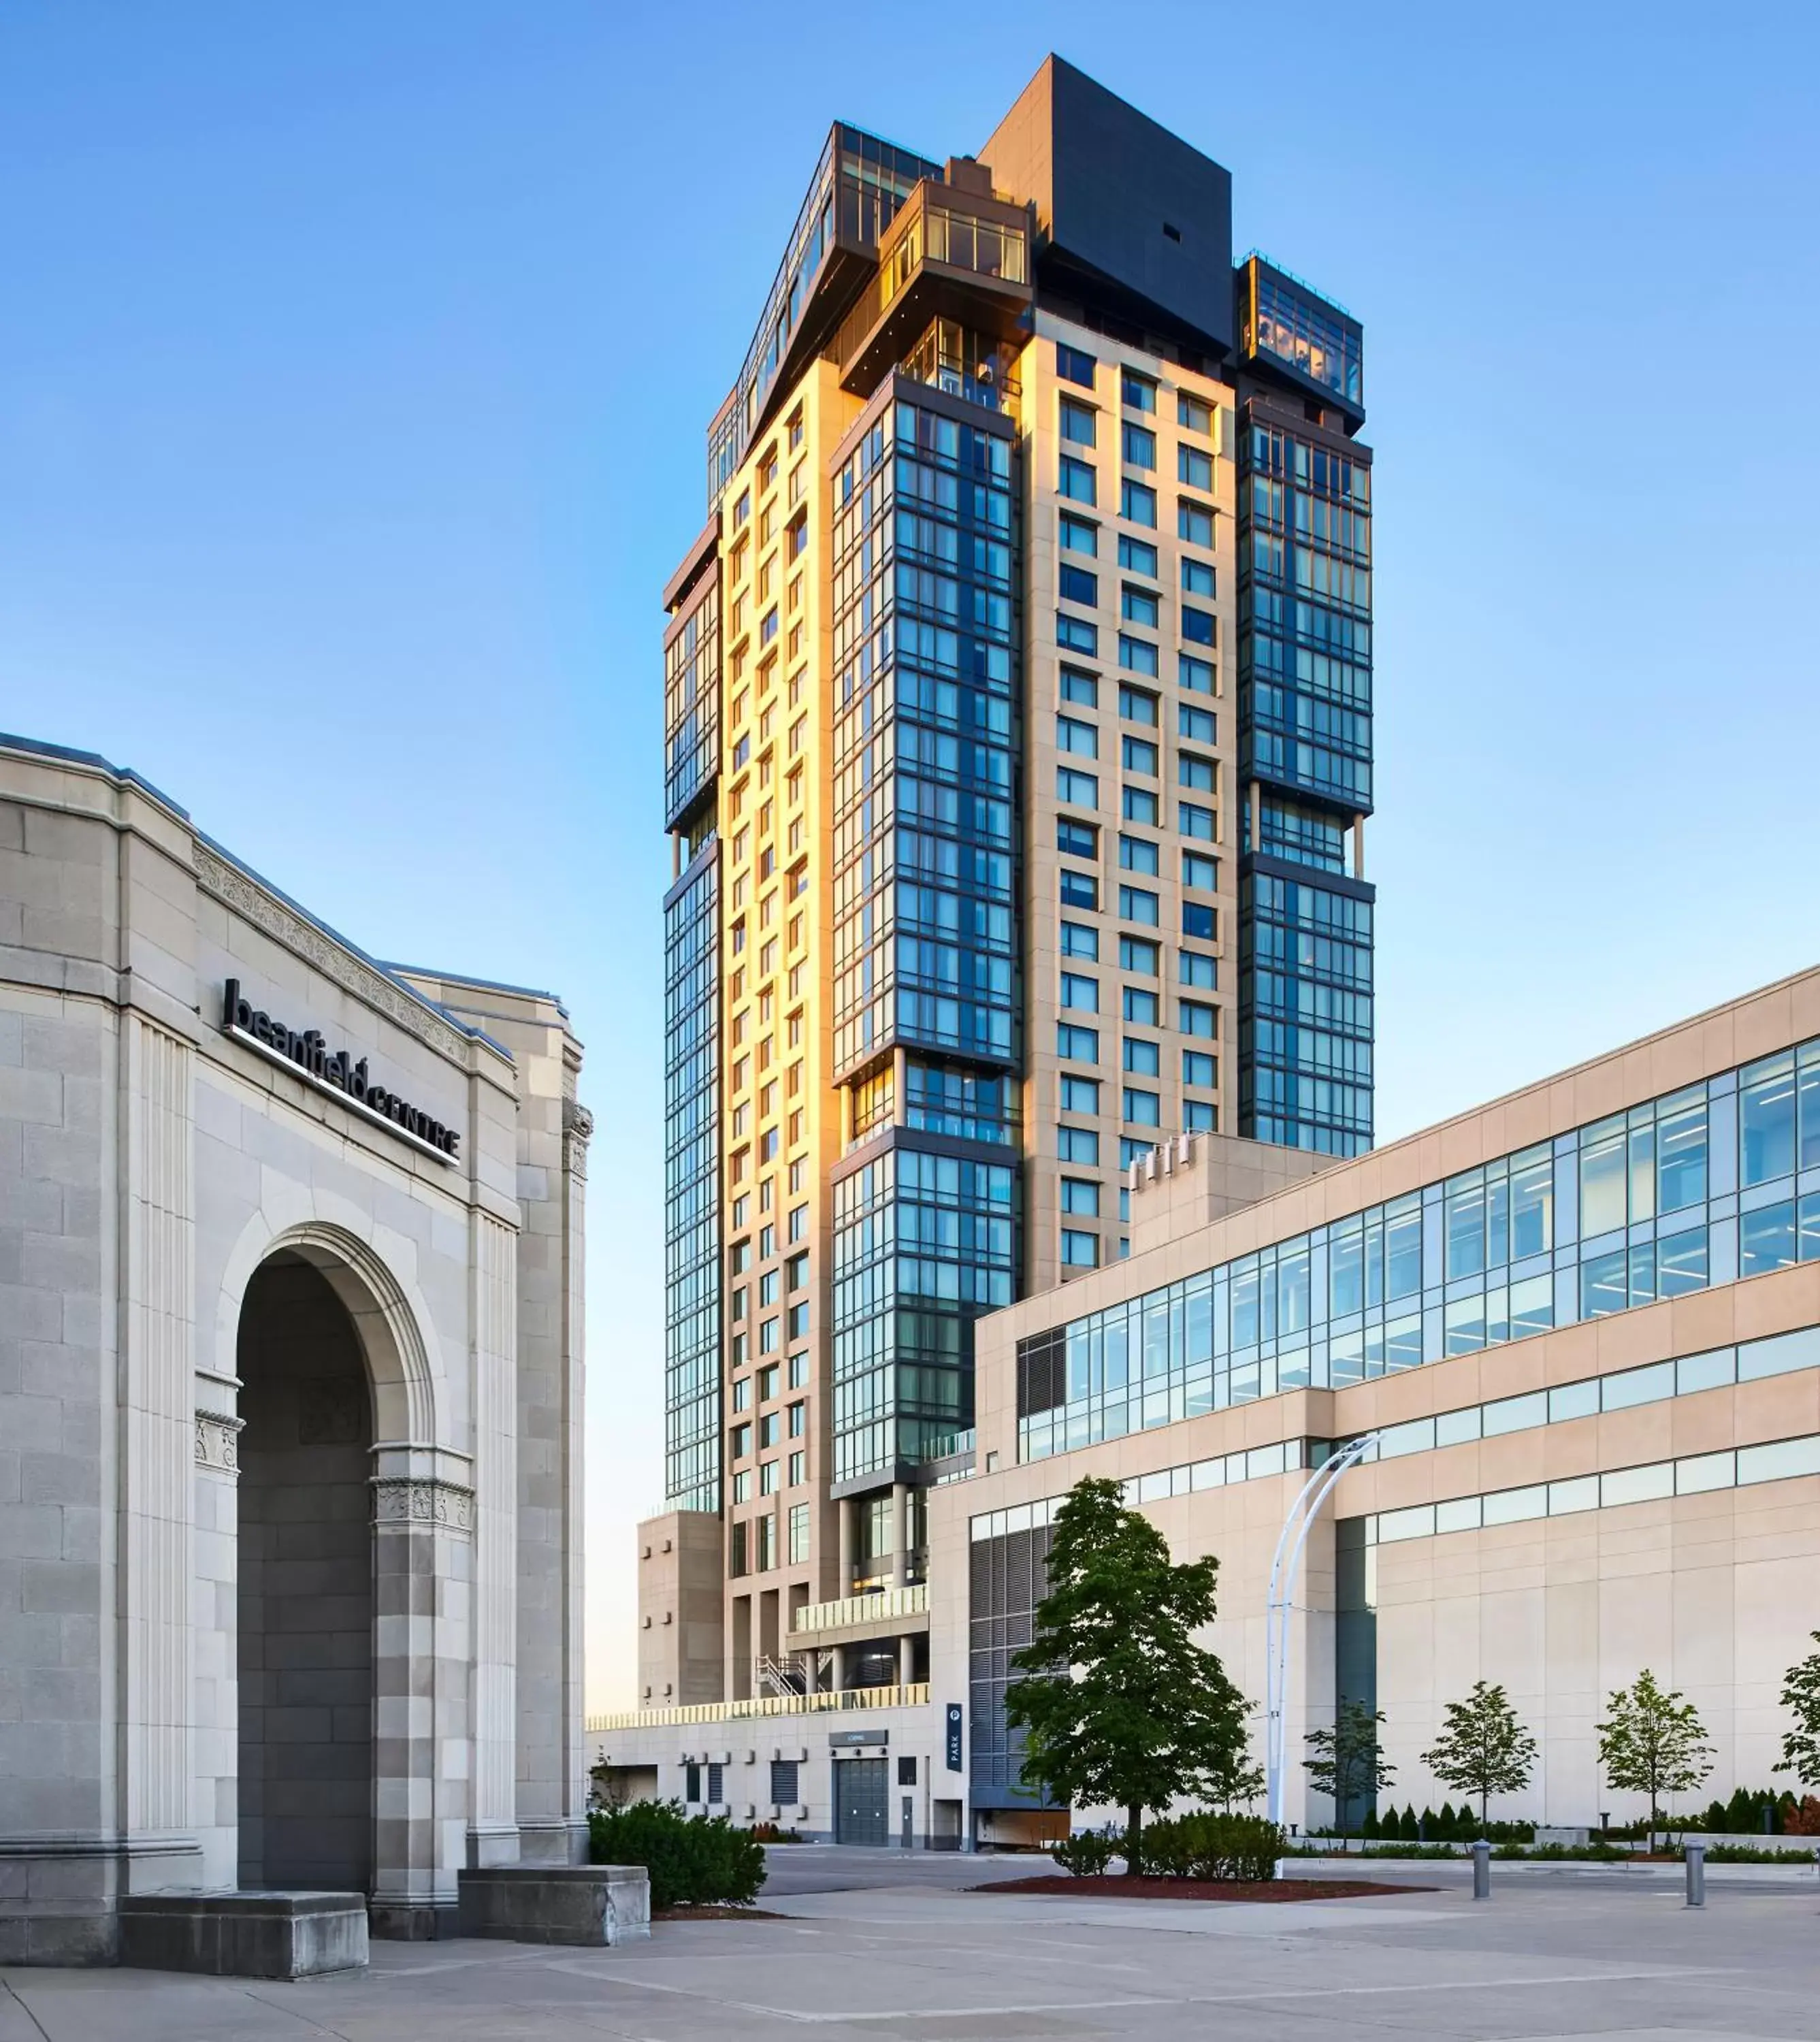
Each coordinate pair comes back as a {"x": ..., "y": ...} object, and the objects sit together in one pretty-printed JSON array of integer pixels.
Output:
[{"x": 354, "y": 363}]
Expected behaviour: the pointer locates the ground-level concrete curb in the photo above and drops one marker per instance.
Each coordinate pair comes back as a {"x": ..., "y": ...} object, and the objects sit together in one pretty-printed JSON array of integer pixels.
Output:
[{"x": 1795, "y": 1876}]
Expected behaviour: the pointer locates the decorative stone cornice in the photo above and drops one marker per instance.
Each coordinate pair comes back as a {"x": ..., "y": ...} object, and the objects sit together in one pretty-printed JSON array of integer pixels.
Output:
[
  {"x": 578, "y": 1128},
  {"x": 413, "y": 1500},
  {"x": 227, "y": 882},
  {"x": 218, "y": 1441}
]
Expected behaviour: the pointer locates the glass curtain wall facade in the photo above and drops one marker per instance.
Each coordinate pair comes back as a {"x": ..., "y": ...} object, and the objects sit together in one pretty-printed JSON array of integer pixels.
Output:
[
  {"x": 1705, "y": 1185},
  {"x": 692, "y": 1187},
  {"x": 926, "y": 966},
  {"x": 1304, "y": 729}
]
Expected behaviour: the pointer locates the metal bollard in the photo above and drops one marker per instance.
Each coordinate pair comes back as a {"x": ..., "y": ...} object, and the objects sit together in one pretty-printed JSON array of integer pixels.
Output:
[
  {"x": 1482, "y": 1870},
  {"x": 1695, "y": 1856}
]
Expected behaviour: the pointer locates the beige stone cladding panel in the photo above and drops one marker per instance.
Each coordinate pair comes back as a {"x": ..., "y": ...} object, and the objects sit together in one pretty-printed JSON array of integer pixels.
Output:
[
  {"x": 60, "y": 1247},
  {"x": 1711, "y": 1592},
  {"x": 680, "y": 1608},
  {"x": 540, "y": 1661}
]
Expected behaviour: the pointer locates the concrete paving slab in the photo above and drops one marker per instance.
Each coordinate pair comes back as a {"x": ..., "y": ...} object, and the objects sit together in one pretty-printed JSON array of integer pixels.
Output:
[{"x": 923, "y": 1962}]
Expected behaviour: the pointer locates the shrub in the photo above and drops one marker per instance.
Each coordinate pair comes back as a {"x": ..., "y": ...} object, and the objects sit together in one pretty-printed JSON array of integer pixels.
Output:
[
  {"x": 694, "y": 1861},
  {"x": 1205, "y": 1846},
  {"x": 1804, "y": 1821},
  {"x": 1088, "y": 1852}
]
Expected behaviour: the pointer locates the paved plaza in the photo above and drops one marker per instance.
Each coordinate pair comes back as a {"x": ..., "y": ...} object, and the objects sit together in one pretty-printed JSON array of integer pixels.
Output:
[{"x": 872, "y": 1949}]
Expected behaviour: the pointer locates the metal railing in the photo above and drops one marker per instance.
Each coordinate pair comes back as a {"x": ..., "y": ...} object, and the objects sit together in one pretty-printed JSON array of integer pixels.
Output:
[
  {"x": 862, "y": 1608},
  {"x": 913, "y": 1696}
]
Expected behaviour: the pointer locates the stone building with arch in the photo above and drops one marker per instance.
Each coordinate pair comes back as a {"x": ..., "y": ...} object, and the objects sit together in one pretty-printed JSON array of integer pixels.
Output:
[{"x": 291, "y": 1361}]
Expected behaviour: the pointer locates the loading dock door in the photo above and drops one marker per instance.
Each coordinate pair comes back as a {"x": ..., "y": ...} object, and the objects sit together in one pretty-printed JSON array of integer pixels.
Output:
[{"x": 860, "y": 1814}]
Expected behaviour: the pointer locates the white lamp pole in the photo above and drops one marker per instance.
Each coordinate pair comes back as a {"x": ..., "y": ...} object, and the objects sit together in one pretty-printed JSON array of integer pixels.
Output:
[{"x": 1284, "y": 1571}]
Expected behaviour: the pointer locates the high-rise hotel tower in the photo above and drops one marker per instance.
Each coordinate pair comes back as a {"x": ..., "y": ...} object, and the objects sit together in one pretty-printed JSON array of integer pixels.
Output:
[{"x": 1017, "y": 724}]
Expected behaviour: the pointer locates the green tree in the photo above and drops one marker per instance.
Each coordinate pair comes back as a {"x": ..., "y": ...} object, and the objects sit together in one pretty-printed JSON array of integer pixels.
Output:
[
  {"x": 1118, "y": 1704},
  {"x": 1348, "y": 1760},
  {"x": 1653, "y": 1743},
  {"x": 1483, "y": 1749},
  {"x": 1801, "y": 1696}
]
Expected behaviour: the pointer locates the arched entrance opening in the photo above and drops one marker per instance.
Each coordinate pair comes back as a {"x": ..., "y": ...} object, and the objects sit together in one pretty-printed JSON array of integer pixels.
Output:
[{"x": 305, "y": 1598}]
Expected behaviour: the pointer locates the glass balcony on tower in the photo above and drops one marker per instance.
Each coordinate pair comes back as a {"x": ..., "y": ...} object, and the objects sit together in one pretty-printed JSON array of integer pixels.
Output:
[
  {"x": 954, "y": 268},
  {"x": 1286, "y": 325}
]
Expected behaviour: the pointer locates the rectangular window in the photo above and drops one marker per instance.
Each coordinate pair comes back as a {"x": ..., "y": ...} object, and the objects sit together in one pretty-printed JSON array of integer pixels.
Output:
[
  {"x": 1142, "y": 1059},
  {"x": 1138, "y": 391},
  {"x": 1073, "y": 735},
  {"x": 1192, "y": 414},
  {"x": 1076, "y": 585},
  {"x": 1136, "y": 853},
  {"x": 767, "y": 1555},
  {"x": 1197, "y": 625},
  {"x": 1079, "y": 421},
  {"x": 1139, "y": 954},
  {"x": 770, "y": 1480},
  {"x": 1080, "y": 1197},
  {"x": 1079, "y": 535},
  {"x": 797, "y": 1318},
  {"x": 1196, "y": 724},
  {"x": 1080, "y": 939},
  {"x": 1138, "y": 606},
  {"x": 1137, "y": 655},
  {"x": 1193, "y": 772},
  {"x": 1200, "y": 871},
  {"x": 1079, "y": 991},
  {"x": 1136, "y": 502},
  {"x": 1195, "y": 467},
  {"x": 785, "y": 1790},
  {"x": 1076, "y": 480},
  {"x": 1080, "y": 1250},
  {"x": 1081, "y": 689},
  {"x": 1136, "y": 705},
  {"x": 1140, "y": 805},
  {"x": 1080, "y": 789},
  {"x": 1136, "y": 556},
  {"x": 1077, "y": 1145},
  {"x": 1195, "y": 969},
  {"x": 798, "y": 1557},
  {"x": 1766, "y": 1120},
  {"x": 1076, "y": 634},
  {"x": 1194, "y": 522},
  {"x": 1142, "y": 1009},
  {"x": 1137, "y": 446},
  {"x": 1078, "y": 889},
  {"x": 1073, "y": 366},
  {"x": 1197, "y": 577},
  {"x": 1080, "y": 1094},
  {"x": 1196, "y": 675},
  {"x": 1198, "y": 1068},
  {"x": 1138, "y": 904},
  {"x": 798, "y": 1470},
  {"x": 1198, "y": 923},
  {"x": 1076, "y": 1044},
  {"x": 1142, "y": 1109},
  {"x": 1196, "y": 1016},
  {"x": 1137, "y": 755},
  {"x": 1192, "y": 819}
]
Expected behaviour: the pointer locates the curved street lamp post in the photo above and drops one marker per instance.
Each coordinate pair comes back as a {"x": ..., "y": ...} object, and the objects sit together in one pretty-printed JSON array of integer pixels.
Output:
[{"x": 1303, "y": 1512}]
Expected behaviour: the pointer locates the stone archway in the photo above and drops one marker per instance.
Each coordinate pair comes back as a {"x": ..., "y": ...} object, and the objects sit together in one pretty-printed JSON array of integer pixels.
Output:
[
  {"x": 305, "y": 1589},
  {"x": 341, "y": 1472}
]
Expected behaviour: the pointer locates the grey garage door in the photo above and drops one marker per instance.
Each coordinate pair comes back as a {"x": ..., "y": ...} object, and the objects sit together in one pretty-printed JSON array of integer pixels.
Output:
[{"x": 859, "y": 1811}]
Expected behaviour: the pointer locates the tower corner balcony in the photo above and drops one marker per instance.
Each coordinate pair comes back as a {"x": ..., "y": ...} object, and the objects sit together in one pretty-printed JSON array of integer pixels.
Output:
[{"x": 958, "y": 254}]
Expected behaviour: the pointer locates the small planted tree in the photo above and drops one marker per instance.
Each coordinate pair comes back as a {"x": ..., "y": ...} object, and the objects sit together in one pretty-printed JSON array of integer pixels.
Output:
[
  {"x": 1653, "y": 1743},
  {"x": 1483, "y": 1749},
  {"x": 1347, "y": 1760},
  {"x": 1801, "y": 1697},
  {"x": 1118, "y": 1704}
]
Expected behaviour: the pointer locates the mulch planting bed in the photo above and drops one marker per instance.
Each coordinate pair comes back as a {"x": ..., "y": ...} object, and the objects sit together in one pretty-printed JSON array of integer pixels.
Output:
[
  {"x": 1115, "y": 1885},
  {"x": 716, "y": 1914}
]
